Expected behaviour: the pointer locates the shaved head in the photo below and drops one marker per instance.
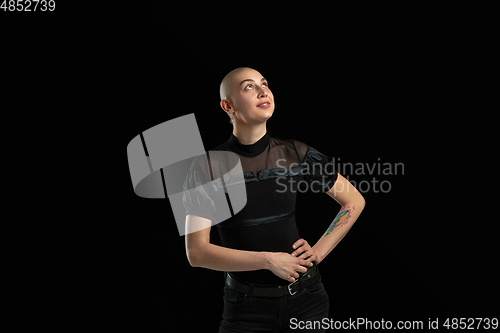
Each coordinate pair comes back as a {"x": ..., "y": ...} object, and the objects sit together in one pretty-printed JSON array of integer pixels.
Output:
[
  {"x": 227, "y": 83},
  {"x": 245, "y": 96}
]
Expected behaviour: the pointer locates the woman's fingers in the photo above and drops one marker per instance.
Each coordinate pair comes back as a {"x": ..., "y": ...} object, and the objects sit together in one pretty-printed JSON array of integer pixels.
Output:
[
  {"x": 288, "y": 267},
  {"x": 306, "y": 264},
  {"x": 302, "y": 268},
  {"x": 298, "y": 243},
  {"x": 304, "y": 251},
  {"x": 300, "y": 247}
]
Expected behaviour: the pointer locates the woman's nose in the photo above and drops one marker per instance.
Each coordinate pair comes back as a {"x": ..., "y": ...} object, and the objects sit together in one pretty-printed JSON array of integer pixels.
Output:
[{"x": 262, "y": 93}]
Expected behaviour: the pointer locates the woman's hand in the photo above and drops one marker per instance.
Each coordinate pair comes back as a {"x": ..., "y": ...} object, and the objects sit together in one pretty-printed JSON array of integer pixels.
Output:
[
  {"x": 304, "y": 251},
  {"x": 285, "y": 266}
]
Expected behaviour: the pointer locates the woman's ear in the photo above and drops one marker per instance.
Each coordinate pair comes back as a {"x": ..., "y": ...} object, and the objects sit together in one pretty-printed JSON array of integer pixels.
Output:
[{"x": 226, "y": 105}]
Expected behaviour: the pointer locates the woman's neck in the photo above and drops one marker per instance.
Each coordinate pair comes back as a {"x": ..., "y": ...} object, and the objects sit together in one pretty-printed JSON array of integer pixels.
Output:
[{"x": 248, "y": 135}]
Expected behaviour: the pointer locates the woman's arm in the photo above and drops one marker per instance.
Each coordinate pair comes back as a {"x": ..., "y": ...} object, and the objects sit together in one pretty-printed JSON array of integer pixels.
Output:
[
  {"x": 201, "y": 253},
  {"x": 352, "y": 203}
]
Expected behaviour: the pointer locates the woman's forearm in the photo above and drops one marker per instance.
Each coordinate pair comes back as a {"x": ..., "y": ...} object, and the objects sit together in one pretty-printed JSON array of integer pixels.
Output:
[
  {"x": 225, "y": 259},
  {"x": 218, "y": 258},
  {"x": 339, "y": 227},
  {"x": 201, "y": 253}
]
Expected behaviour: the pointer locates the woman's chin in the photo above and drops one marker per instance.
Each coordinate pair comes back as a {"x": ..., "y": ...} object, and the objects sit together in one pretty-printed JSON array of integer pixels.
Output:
[{"x": 266, "y": 114}]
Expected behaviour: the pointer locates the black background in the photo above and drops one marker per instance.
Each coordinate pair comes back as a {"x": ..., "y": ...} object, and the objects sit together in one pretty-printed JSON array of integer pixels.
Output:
[{"x": 355, "y": 91}]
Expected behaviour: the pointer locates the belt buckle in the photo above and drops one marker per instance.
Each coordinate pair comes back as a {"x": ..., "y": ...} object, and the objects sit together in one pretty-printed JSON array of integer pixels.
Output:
[{"x": 290, "y": 289}]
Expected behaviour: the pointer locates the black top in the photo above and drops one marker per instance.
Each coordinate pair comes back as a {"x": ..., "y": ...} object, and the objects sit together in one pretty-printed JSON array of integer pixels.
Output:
[{"x": 274, "y": 170}]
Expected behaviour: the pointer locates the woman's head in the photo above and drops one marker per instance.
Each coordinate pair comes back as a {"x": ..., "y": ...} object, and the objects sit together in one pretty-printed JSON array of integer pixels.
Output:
[{"x": 245, "y": 97}]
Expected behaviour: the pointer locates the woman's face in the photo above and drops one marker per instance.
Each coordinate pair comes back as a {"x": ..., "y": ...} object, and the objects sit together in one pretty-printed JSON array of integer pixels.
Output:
[{"x": 251, "y": 98}]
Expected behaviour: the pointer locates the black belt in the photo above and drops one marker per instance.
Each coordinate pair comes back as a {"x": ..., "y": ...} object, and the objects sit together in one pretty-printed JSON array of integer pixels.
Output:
[{"x": 306, "y": 279}]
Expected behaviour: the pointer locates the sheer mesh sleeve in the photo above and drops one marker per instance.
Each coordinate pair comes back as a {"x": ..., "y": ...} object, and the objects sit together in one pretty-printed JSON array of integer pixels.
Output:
[
  {"x": 199, "y": 193},
  {"x": 318, "y": 169}
]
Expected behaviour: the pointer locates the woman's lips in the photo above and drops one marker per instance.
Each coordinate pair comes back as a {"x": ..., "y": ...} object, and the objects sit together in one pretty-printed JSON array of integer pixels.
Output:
[{"x": 264, "y": 105}]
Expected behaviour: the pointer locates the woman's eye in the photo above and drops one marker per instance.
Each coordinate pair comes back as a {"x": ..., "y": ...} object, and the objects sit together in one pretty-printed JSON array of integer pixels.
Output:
[
  {"x": 264, "y": 84},
  {"x": 248, "y": 87}
]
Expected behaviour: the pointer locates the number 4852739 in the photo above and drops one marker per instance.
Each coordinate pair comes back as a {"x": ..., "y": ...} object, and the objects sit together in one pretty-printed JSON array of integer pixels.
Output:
[{"x": 28, "y": 5}]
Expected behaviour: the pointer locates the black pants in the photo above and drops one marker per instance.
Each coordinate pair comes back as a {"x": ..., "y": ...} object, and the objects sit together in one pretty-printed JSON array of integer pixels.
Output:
[{"x": 261, "y": 314}]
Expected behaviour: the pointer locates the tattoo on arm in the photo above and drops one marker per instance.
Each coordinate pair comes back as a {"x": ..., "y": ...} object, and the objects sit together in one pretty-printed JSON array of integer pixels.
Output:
[{"x": 341, "y": 219}]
